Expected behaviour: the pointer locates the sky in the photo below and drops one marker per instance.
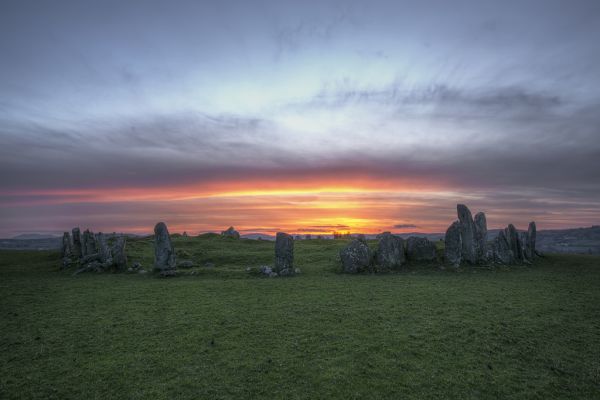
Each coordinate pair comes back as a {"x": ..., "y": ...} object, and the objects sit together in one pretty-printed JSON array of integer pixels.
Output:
[{"x": 297, "y": 116}]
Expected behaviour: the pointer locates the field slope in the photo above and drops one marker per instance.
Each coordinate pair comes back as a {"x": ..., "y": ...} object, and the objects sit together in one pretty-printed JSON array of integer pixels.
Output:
[{"x": 220, "y": 332}]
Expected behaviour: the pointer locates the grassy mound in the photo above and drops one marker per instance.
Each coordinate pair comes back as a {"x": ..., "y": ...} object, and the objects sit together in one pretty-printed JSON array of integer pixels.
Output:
[{"x": 519, "y": 332}]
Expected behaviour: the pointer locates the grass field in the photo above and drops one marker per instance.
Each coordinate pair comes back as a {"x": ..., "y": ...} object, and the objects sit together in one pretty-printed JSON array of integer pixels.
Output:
[{"x": 519, "y": 333}]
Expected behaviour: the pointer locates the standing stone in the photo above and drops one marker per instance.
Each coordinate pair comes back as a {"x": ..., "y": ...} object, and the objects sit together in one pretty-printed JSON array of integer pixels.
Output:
[
  {"x": 530, "y": 241},
  {"x": 66, "y": 245},
  {"x": 480, "y": 225},
  {"x": 502, "y": 249},
  {"x": 467, "y": 233},
  {"x": 118, "y": 254},
  {"x": 514, "y": 241},
  {"x": 104, "y": 250},
  {"x": 453, "y": 244},
  {"x": 76, "y": 242},
  {"x": 390, "y": 251},
  {"x": 88, "y": 243},
  {"x": 356, "y": 257},
  {"x": 420, "y": 249},
  {"x": 231, "y": 232},
  {"x": 284, "y": 254},
  {"x": 164, "y": 253}
]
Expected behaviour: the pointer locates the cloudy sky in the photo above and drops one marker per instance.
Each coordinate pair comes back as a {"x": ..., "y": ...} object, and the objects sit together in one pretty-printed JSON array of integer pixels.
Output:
[{"x": 297, "y": 115}]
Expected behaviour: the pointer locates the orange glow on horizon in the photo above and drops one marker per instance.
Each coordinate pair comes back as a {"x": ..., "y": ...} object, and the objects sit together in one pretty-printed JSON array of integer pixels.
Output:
[{"x": 315, "y": 207}]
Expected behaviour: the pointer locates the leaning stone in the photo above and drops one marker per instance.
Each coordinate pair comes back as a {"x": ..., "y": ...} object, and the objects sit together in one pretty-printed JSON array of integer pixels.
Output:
[
  {"x": 356, "y": 257},
  {"x": 297, "y": 271},
  {"x": 467, "y": 233},
  {"x": 420, "y": 249},
  {"x": 390, "y": 251},
  {"x": 231, "y": 232},
  {"x": 284, "y": 252},
  {"x": 164, "y": 253},
  {"x": 453, "y": 244},
  {"x": 119, "y": 256}
]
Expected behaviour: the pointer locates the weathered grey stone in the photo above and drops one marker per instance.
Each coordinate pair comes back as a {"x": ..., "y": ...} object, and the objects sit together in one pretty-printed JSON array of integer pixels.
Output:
[
  {"x": 103, "y": 249},
  {"x": 284, "y": 252},
  {"x": 356, "y": 257},
  {"x": 480, "y": 235},
  {"x": 76, "y": 242},
  {"x": 514, "y": 241},
  {"x": 66, "y": 245},
  {"x": 90, "y": 257},
  {"x": 88, "y": 243},
  {"x": 420, "y": 249},
  {"x": 390, "y": 251},
  {"x": 530, "y": 252},
  {"x": 501, "y": 247},
  {"x": 453, "y": 244},
  {"x": 467, "y": 234},
  {"x": 93, "y": 266},
  {"x": 266, "y": 270},
  {"x": 231, "y": 232},
  {"x": 164, "y": 253},
  {"x": 119, "y": 256}
]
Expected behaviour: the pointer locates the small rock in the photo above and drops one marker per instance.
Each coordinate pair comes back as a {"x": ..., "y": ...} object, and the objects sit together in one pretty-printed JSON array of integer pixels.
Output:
[
  {"x": 297, "y": 271},
  {"x": 186, "y": 264},
  {"x": 266, "y": 270}
]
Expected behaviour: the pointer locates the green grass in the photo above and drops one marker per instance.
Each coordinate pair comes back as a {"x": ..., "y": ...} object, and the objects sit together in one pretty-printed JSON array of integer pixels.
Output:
[{"x": 519, "y": 333}]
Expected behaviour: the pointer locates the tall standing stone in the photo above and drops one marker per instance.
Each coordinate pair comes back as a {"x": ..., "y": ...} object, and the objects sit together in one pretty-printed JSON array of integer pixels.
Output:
[
  {"x": 480, "y": 234},
  {"x": 502, "y": 248},
  {"x": 118, "y": 254},
  {"x": 164, "y": 253},
  {"x": 284, "y": 254},
  {"x": 467, "y": 233},
  {"x": 514, "y": 241},
  {"x": 453, "y": 244},
  {"x": 66, "y": 245},
  {"x": 530, "y": 241},
  {"x": 88, "y": 243},
  {"x": 76, "y": 242},
  {"x": 390, "y": 251},
  {"x": 104, "y": 250},
  {"x": 356, "y": 257}
]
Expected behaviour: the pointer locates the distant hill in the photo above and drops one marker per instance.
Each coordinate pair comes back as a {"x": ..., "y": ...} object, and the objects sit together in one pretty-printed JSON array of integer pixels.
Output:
[
  {"x": 29, "y": 236},
  {"x": 575, "y": 241}
]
